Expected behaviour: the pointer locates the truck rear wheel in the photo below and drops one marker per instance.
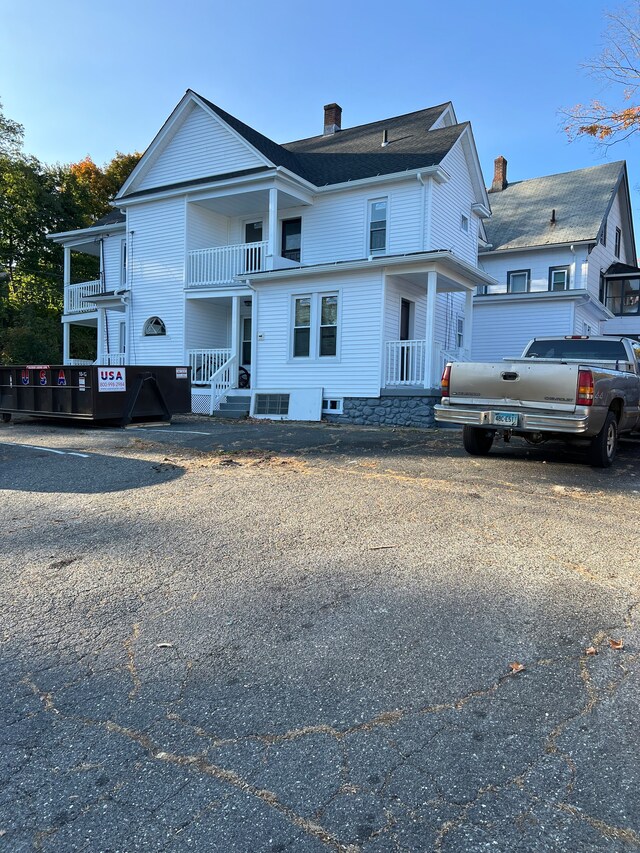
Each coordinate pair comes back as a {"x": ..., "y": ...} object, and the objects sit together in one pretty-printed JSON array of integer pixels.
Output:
[
  {"x": 477, "y": 441},
  {"x": 603, "y": 447}
]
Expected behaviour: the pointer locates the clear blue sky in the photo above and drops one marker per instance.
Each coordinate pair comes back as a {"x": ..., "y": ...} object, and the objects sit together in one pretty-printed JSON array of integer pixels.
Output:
[{"x": 93, "y": 78}]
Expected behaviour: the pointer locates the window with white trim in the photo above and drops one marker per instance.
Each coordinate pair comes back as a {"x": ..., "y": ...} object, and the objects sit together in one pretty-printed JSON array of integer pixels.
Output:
[
  {"x": 332, "y": 407},
  {"x": 558, "y": 278},
  {"x": 464, "y": 223},
  {"x": 460, "y": 333},
  {"x": 315, "y": 325},
  {"x": 518, "y": 281},
  {"x": 378, "y": 226}
]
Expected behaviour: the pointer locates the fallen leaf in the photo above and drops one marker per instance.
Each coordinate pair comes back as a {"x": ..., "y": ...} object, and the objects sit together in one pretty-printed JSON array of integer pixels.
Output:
[
  {"x": 616, "y": 644},
  {"x": 516, "y": 667},
  {"x": 591, "y": 651}
]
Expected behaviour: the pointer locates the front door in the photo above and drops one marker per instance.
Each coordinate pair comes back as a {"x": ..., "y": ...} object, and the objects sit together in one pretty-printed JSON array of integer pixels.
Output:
[{"x": 253, "y": 254}]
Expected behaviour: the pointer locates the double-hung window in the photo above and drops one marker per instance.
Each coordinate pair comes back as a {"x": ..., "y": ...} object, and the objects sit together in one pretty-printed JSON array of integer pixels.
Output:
[
  {"x": 518, "y": 281},
  {"x": 291, "y": 239},
  {"x": 378, "y": 226},
  {"x": 315, "y": 325},
  {"x": 558, "y": 278}
]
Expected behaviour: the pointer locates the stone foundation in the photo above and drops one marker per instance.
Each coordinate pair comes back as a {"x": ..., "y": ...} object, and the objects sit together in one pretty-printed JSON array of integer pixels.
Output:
[{"x": 389, "y": 409}]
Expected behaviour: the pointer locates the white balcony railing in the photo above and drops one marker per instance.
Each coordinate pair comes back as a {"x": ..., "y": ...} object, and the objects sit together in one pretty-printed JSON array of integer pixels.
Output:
[
  {"x": 219, "y": 265},
  {"x": 453, "y": 354},
  {"x": 77, "y": 296},
  {"x": 205, "y": 363},
  {"x": 404, "y": 364}
]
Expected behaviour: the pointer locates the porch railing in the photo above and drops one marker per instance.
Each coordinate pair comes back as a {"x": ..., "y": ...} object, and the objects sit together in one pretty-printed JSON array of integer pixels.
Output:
[
  {"x": 222, "y": 381},
  {"x": 220, "y": 264},
  {"x": 116, "y": 359},
  {"x": 78, "y": 362},
  {"x": 77, "y": 296},
  {"x": 205, "y": 363},
  {"x": 454, "y": 354},
  {"x": 404, "y": 364}
]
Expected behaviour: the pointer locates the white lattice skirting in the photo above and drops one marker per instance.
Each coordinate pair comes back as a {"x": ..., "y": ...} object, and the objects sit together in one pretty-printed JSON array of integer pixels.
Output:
[{"x": 200, "y": 401}]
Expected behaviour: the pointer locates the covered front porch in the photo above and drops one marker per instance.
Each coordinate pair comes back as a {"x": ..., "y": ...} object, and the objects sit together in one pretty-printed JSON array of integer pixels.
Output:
[
  {"x": 218, "y": 346},
  {"x": 428, "y": 315}
]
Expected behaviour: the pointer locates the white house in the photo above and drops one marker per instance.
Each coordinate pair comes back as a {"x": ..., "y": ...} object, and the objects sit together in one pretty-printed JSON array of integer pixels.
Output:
[
  {"x": 562, "y": 250},
  {"x": 330, "y": 275}
]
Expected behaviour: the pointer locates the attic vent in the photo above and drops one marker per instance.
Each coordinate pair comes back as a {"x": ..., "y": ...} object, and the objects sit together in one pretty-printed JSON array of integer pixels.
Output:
[{"x": 272, "y": 404}]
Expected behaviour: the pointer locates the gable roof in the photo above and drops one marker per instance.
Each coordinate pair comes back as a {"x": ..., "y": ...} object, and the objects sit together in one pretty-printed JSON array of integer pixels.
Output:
[
  {"x": 346, "y": 155},
  {"x": 521, "y": 213}
]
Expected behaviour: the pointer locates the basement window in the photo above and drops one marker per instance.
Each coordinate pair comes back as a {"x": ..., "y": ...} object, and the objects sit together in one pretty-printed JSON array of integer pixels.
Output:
[
  {"x": 272, "y": 404},
  {"x": 332, "y": 407}
]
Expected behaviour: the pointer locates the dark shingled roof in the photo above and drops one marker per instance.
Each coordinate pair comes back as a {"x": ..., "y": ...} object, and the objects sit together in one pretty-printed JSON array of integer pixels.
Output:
[
  {"x": 521, "y": 213},
  {"x": 114, "y": 217},
  {"x": 357, "y": 152},
  {"x": 622, "y": 269}
]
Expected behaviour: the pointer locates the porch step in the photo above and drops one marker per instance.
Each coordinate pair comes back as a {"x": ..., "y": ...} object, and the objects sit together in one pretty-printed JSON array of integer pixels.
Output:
[{"x": 234, "y": 407}]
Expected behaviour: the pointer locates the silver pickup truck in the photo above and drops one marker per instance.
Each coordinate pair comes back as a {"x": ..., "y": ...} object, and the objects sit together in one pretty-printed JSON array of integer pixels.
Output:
[{"x": 580, "y": 388}]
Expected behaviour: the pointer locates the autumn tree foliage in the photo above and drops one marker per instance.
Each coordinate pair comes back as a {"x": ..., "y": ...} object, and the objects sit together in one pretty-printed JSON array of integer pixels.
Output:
[
  {"x": 37, "y": 200},
  {"x": 618, "y": 68}
]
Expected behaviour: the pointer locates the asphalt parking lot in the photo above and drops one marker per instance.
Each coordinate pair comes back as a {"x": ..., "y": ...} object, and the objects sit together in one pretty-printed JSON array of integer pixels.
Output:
[{"x": 278, "y": 637}]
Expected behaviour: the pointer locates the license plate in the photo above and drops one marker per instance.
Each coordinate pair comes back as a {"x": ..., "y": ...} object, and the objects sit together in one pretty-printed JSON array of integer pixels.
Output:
[{"x": 505, "y": 419}]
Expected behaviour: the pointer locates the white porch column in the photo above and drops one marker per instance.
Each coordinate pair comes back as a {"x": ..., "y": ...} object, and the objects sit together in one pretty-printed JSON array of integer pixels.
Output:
[
  {"x": 467, "y": 336},
  {"x": 235, "y": 330},
  {"x": 66, "y": 274},
  {"x": 273, "y": 227},
  {"x": 100, "y": 332},
  {"x": 432, "y": 283},
  {"x": 66, "y": 329}
]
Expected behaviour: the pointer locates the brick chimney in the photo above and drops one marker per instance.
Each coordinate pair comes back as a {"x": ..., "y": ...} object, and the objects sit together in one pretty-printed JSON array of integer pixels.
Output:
[
  {"x": 332, "y": 118},
  {"x": 499, "y": 175}
]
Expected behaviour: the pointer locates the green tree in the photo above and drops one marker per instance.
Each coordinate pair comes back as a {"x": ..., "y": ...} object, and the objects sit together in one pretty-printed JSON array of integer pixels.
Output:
[{"x": 37, "y": 200}]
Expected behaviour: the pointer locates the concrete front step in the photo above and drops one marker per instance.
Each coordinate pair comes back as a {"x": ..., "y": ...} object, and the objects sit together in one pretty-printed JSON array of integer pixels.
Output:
[{"x": 234, "y": 407}]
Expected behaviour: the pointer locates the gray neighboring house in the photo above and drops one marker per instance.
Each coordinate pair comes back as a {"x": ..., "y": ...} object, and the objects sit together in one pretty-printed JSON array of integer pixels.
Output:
[{"x": 562, "y": 250}]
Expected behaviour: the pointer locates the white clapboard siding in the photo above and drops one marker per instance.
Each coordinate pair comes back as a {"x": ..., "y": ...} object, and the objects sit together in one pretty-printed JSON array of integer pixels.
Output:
[
  {"x": 449, "y": 307},
  {"x": 587, "y": 319},
  {"x": 602, "y": 257},
  {"x": 449, "y": 201},
  {"x": 539, "y": 261},
  {"x": 112, "y": 261},
  {"x": 206, "y": 228},
  {"x": 201, "y": 145},
  {"x": 208, "y": 323},
  {"x": 356, "y": 371},
  {"x": 156, "y": 260},
  {"x": 504, "y": 330}
]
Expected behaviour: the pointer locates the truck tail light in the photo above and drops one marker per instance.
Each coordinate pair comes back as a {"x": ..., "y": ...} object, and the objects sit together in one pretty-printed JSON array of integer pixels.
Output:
[
  {"x": 446, "y": 377},
  {"x": 584, "y": 397}
]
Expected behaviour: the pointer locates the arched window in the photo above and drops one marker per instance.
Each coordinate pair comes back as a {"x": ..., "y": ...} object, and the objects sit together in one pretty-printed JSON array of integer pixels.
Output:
[{"x": 154, "y": 326}]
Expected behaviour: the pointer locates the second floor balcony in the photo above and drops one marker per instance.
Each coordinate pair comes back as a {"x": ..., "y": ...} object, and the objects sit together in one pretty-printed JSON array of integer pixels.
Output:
[{"x": 220, "y": 265}]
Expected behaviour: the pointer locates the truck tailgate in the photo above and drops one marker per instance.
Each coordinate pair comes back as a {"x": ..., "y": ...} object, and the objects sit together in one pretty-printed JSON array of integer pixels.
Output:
[{"x": 525, "y": 383}]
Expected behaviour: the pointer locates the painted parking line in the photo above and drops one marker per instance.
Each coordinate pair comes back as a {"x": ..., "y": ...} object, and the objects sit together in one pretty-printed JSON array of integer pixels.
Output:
[
  {"x": 172, "y": 431},
  {"x": 46, "y": 449}
]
